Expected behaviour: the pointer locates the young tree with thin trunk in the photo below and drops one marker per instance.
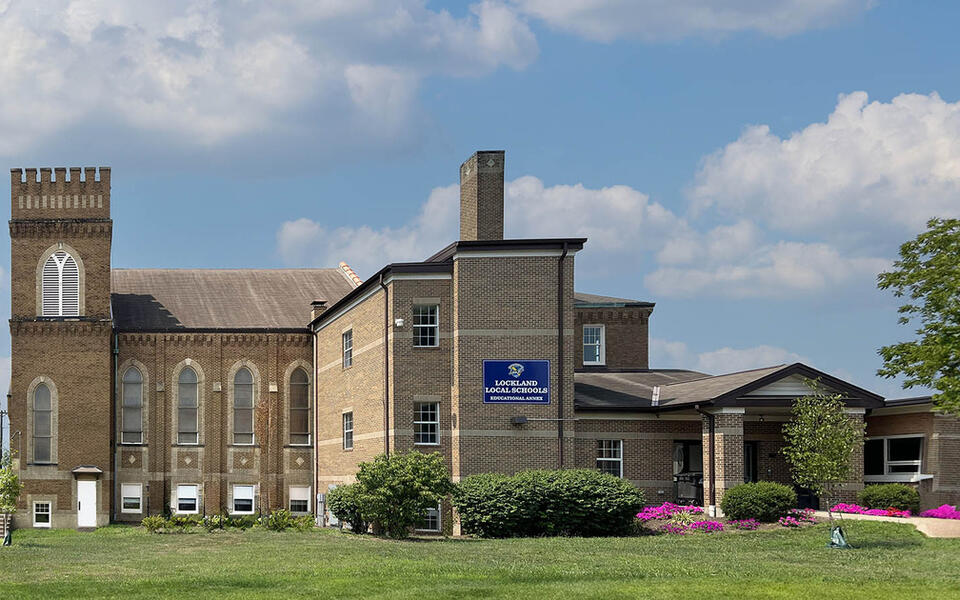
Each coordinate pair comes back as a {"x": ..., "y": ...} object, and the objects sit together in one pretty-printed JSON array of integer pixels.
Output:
[
  {"x": 821, "y": 439},
  {"x": 10, "y": 488}
]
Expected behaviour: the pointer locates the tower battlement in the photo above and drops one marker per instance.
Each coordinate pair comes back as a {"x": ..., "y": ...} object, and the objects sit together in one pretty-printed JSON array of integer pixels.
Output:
[{"x": 56, "y": 196}]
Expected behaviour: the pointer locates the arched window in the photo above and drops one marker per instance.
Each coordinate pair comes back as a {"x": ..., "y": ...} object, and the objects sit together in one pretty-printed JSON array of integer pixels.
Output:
[
  {"x": 243, "y": 407},
  {"x": 61, "y": 286},
  {"x": 299, "y": 407},
  {"x": 131, "y": 409},
  {"x": 187, "y": 430},
  {"x": 42, "y": 424}
]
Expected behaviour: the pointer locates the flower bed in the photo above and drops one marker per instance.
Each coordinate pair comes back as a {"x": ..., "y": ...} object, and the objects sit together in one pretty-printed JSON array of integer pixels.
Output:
[
  {"x": 675, "y": 519},
  {"x": 943, "y": 512},
  {"x": 856, "y": 509}
]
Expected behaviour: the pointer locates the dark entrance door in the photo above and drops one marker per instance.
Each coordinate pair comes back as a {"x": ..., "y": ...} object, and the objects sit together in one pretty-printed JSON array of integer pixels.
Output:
[{"x": 688, "y": 472}]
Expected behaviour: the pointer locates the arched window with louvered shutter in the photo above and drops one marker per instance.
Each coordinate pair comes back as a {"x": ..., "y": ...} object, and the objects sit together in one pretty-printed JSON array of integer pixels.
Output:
[{"x": 61, "y": 286}]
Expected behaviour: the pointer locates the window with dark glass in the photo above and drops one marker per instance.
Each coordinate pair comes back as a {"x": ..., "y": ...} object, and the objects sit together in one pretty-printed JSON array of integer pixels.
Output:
[
  {"x": 426, "y": 423},
  {"x": 348, "y": 431},
  {"x": 243, "y": 499},
  {"x": 131, "y": 417},
  {"x": 347, "y": 344},
  {"x": 750, "y": 462},
  {"x": 896, "y": 455},
  {"x": 243, "y": 407},
  {"x": 187, "y": 398},
  {"x": 594, "y": 352},
  {"x": 299, "y": 408},
  {"x": 42, "y": 424},
  {"x": 426, "y": 325},
  {"x": 610, "y": 457}
]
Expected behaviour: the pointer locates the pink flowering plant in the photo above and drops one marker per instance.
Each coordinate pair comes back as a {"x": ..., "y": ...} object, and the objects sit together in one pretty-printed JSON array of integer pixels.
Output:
[
  {"x": 789, "y": 522},
  {"x": 666, "y": 511},
  {"x": 856, "y": 509},
  {"x": 943, "y": 512},
  {"x": 745, "y": 524}
]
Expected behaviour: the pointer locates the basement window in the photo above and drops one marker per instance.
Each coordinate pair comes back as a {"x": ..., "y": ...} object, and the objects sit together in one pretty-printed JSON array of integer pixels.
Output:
[
  {"x": 187, "y": 499},
  {"x": 430, "y": 521},
  {"x": 243, "y": 499},
  {"x": 41, "y": 514},
  {"x": 131, "y": 498},
  {"x": 299, "y": 500}
]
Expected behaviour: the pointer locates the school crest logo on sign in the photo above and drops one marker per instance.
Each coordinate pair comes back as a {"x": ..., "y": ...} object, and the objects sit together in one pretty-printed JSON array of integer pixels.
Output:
[{"x": 515, "y": 370}]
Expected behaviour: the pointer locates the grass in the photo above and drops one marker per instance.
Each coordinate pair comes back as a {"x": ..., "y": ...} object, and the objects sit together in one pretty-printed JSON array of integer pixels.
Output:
[{"x": 892, "y": 561}]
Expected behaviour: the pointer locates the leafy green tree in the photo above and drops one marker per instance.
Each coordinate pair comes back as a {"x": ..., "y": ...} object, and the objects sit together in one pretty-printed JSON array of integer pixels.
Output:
[
  {"x": 820, "y": 441},
  {"x": 10, "y": 488},
  {"x": 398, "y": 489},
  {"x": 928, "y": 274}
]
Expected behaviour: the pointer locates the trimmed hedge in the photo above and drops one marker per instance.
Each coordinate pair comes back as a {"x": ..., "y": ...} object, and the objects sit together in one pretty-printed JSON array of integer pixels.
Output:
[
  {"x": 581, "y": 502},
  {"x": 764, "y": 501},
  {"x": 890, "y": 495}
]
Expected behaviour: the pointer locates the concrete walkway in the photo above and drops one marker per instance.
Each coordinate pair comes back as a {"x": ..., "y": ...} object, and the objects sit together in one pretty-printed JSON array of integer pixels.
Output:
[{"x": 936, "y": 528}]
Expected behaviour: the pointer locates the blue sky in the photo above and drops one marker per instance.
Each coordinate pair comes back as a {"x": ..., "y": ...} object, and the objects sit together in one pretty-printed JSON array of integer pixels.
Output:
[{"x": 749, "y": 166}]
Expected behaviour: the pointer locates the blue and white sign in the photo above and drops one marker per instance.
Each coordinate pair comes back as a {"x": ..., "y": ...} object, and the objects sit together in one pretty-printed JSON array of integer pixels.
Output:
[{"x": 516, "y": 382}]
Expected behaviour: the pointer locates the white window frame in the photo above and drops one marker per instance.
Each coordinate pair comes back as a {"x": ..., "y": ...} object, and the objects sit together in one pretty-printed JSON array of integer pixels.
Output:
[
  {"x": 49, "y": 513},
  {"x": 617, "y": 445},
  {"x": 252, "y": 499},
  {"x": 343, "y": 420},
  {"x": 426, "y": 515},
  {"x": 347, "y": 348},
  {"x": 602, "y": 349},
  {"x": 124, "y": 488},
  {"x": 435, "y": 326},
  {"x": 52, "y": 286},
  {"x": 196, "y": 499},
  {"x": 889, "y": 475},
  {"x": 292, "y": 499},
  {"x": 436, "y": 423}
]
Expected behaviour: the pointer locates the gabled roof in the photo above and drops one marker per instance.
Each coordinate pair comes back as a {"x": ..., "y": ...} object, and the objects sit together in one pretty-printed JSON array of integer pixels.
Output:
[
  {"x": 221, "y": 299},
  {"x": 582, "y": 300},
  {"x": 610, "y": 391}
]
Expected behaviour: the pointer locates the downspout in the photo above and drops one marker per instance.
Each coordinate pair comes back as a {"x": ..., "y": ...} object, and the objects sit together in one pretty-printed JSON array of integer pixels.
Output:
[
  {"x": 560, "y": 359},
  {"x": 712, "y": 422},
  {"x": 318, "y": 516},
  {"x": 386, "y": 367},
  {"x": 113, "y": 423}
]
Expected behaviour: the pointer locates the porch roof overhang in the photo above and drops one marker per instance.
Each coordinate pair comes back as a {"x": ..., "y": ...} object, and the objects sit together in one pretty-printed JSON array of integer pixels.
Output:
[
  {"x": 634, "y": 392},
  {"x": 87, "y": 470}
]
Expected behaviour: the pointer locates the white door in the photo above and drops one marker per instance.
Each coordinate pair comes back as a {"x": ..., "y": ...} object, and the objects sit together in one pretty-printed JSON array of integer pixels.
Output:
[{"x": 86, "y": 503}]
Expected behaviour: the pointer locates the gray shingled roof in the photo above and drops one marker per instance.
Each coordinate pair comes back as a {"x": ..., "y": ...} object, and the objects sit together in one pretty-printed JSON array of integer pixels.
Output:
[
  {"x": 582, "y": 298},
  {"x": 707, "y": 388},
  {"x": 172, "y": 299},
  {"x": 600, "y": 390}
]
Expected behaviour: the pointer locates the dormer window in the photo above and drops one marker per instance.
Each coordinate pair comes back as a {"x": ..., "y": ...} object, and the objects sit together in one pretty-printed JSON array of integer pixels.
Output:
[{"x": 61, "y": 286}]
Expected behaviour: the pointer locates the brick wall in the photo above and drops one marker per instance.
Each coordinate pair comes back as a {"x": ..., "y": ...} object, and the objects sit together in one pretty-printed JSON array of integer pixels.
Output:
[{"x": 626, "y": 332}]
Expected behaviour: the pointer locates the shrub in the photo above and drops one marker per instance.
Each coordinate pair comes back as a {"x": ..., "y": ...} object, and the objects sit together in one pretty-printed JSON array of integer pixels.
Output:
[
  {"x": 155, "y": 524},
  {"x": 242, "y": 522},
  {"x": 396, "y": 490},
  {"x": 344, "y": 503},
  {"x": 186, "y": 521},
  {"x": 890, "y": 495},
  {"x": 280, "y": 520},
  {"x": 580, "y": 502},
  {"x": 764, "y": 501},
  {"x": 304, "y": 523},
  {"x": 214, "y": 522}
]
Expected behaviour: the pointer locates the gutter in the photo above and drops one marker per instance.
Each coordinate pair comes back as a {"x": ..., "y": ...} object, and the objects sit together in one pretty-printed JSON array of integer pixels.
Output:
[
  {"x": 712, "y": 420},
  {"x": 560, "y": 358}
]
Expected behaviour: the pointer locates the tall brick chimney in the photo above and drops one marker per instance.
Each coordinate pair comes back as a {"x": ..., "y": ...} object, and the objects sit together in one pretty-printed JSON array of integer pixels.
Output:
[{"x": 481, "y": 196}]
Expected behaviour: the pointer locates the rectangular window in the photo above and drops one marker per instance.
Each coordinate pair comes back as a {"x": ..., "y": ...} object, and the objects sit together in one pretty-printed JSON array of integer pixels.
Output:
[
  {"x": 594, "y": 352},
  {"x": 348, "y": 431},
  {"x": 187, "y": 499},
  {"x": 426, "y": 325},
  {"x": 426, "y": 424},
  {"x": 300, "y": 500},
  {"x": 243, "y": 499},
  {"x": 430, "y": 521},
  {"x": 894, "y": 455},
  {"x": 347, "y": 348},
  {"x": 131, "y": 498},
  {"x": 610, "y": 457},
  {"x": 41, "y": 514}
]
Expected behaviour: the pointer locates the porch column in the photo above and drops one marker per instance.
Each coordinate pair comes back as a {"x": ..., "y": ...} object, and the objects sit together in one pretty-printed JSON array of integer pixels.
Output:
[{"x": 728, "y": 463}]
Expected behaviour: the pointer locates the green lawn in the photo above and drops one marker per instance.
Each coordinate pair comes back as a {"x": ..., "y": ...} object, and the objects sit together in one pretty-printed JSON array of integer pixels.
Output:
[{"x": 893, "y": 561}]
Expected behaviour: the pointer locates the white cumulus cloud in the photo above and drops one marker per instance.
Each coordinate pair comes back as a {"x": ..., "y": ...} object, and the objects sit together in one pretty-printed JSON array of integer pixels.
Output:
[
  {"x": 205, "y": 73},
  {"x": 606, "y": 20},
  {"x": 871, "y": 168},
  {"x": 666, "y": 354}
]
